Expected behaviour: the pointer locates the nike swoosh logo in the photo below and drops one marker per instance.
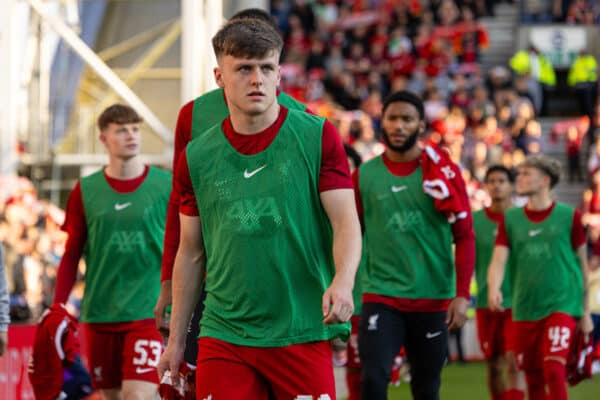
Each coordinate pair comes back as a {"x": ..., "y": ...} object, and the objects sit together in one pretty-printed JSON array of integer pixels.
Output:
[
  {"x": 429, "y": 335},
  {"x": 120, "y": 207},
  {"x": 535, "y": 232},
  {"x": 252, "y": 173},
  {"x": 397, "y": 189},
  {"x": 140, "y": 370}
]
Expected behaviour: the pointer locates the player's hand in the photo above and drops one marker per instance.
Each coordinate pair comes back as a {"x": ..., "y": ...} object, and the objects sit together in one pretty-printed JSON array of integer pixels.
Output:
[
  {"x": 495, "y": 300},
  {"x": 164, "y": 299},
  {"x": 3, "y": 342},
  {"x": 457, "y": 313},
  {"x": 337, "y": 302},
  {"x": 585, "y": 324},
  {"x": 170, "y": 361}
]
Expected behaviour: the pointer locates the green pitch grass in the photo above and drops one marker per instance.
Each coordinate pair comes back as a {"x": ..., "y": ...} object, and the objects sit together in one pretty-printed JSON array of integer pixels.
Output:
[{"x": 467, "y": 382}]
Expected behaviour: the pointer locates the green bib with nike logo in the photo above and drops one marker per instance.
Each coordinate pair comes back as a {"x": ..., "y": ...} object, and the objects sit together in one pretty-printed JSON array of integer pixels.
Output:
[
  {"x": 546, "y": 271},
  {"x": 123, "y": 250},
  {"x": 409, "y": 242},
  {"x": 268, "y": 240},
  {"x": 485, "y": 237}
]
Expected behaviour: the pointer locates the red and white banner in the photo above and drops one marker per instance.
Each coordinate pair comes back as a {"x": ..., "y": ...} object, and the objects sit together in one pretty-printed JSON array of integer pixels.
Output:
[{"x": 14, "y": 382}]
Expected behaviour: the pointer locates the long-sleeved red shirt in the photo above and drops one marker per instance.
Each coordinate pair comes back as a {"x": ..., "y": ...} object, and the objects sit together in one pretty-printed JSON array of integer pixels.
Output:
[
  {"x": 334, "y": 169},
  {"x": 464, "y": 240},
  {"x": 75, "y": 225}
]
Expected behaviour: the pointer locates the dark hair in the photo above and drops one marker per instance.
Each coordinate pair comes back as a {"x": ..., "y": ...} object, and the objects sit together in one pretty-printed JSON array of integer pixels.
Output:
[
  {"x": 247, "y": 38},
  {"x": 118, "y": 114},
  {"x": 254, "y": 13},
  {"x": 405, "y": 96},
  {"x": 502, "y": 169}
]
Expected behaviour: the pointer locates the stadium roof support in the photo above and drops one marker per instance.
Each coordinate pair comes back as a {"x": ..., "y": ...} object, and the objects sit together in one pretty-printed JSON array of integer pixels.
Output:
[{"x": 111, "y": 78}]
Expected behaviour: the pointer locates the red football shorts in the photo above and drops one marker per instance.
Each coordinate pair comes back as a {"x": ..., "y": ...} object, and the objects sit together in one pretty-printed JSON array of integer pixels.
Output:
[
  {"x": 123, "y": 351},
  {"x": 536, "y": 341},
  {"x": 495, "y": 332},
  {"x": 299, "y": 372}
]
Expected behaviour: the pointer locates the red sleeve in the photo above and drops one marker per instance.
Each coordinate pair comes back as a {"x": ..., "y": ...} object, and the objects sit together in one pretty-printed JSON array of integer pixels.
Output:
[
  {"x": 335, "y": 171},
  {"x": 76, "y": 227},
  {"x": 183, "y": 134},
  {"x": 578, "y": 237},
  {"x": 185, "y": 189},
  {"x": 464, "y": 240},
  {"x": 358, "y": 199},
  {"x": 502, "y": 237}
]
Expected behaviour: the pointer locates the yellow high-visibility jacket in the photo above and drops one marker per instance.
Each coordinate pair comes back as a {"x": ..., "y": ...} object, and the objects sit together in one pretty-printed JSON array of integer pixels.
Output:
[
  {"x": 583, "y": 70},
  {"x": 520, "y": 63}
]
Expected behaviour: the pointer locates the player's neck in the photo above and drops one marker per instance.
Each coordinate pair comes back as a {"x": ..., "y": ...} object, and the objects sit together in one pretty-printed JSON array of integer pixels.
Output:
[
  {"x": 539, "y": 201},
  {"x": 250, "y": 124},
  {"x": 119, "y": 168},
  {"x": 499, "y": 206},
  {"x": 396, "y": 156}
]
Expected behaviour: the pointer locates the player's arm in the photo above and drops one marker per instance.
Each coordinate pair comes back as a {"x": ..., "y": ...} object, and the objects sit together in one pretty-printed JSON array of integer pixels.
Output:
[
  {"x": 585, "y": 324},
  {"x": 171, "y": 240},
  {"x": 463, "y": 237},
  {"x": 495, "y": 276},
  {"x": 337, "y": 197},
  {"x": 341, "y": 210},
  {"x": 76, "y": 227},
  {"x": 188, "y": 274},
  {"x": 188, "y": 271}
]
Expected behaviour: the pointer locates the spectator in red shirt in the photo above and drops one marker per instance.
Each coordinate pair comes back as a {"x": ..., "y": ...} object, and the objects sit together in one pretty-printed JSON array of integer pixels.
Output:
[{"x": 573, "y": 142}]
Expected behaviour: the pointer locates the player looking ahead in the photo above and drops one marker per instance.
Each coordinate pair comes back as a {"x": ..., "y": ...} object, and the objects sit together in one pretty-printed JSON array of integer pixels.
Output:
[
  {"x": 494, "y": 328},
  {"x": 413, "y": 205},
  {"x": 266, "y": 214},
  {"x": 115, "y": 220},
  {"x": 547, "y": 247},
  {"x": 194, "y": 118}
]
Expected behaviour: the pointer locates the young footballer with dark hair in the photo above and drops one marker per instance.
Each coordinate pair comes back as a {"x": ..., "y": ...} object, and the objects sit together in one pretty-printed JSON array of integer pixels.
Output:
[
  {"x": 494, "y": 328},
  {"x": 413, "y": 204},
  {"x": 268, "y": 219},
  {"x": 115, "y": 220}
]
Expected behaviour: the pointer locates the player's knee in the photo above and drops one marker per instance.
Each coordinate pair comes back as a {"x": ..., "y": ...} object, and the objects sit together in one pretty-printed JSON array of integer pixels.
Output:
[
  {"x": 495, "y": 367},
  {"x": 375, "y": 375},
  {"x": 424, "y": 391},
  {"x": 110, "y": 394},
  {"x": 139, "y": 390},
  {"x": 512, "y": 369}
]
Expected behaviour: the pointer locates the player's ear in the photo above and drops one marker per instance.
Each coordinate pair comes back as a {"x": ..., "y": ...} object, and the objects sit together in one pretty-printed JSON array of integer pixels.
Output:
[
  {"x": 278, "y": 75},
  {"x": 102, "y": 137},
  {"x": 218, "y": 77},
  {"x": 421, "y": 127}
]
